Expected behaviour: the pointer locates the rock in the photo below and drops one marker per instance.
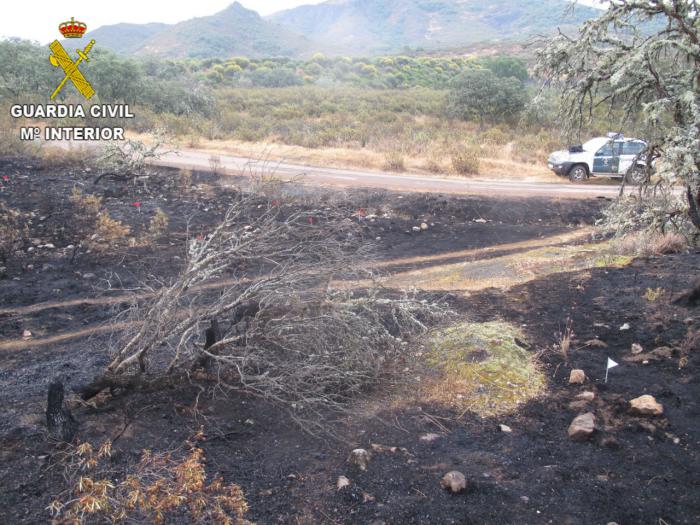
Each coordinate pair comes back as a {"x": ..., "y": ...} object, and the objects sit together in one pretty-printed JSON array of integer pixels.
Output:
[
  {"x": 26, "y": 334},
  {"x": 524, "y": 499},
  {"x": 624, "y": 327},
  {"x": 596, "y": 343},
  {"x": 646, "y": 405},
  {"x": 586, "y": 395},
  {"x": 360, "y": 458},
  {"x": 637, "y": 348},
  {"x": 48, "y": 246},
  {"x": 577, "y": 377},
  {"x": 342, "y": 482},
  {"x": 454, "y": 481},
  {"x": 88, "y": 275},
  {"x": 430, "y": 437},
  {"x": 423, "y": 226},
  {"x": 480, "y": 221},
  {"x": 416, "y": 228},
  {"x": 582, "y": 427},
  {"x": 505, "y": 428},
  {"x": 383, "y": 448}
]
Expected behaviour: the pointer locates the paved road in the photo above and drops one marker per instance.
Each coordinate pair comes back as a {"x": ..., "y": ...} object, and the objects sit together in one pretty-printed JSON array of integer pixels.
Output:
[{"x": 390, "y": 181}]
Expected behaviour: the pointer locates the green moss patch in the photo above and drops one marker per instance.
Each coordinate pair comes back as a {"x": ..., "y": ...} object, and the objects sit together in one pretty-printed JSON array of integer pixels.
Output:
[{"x": 482, "y": 368}]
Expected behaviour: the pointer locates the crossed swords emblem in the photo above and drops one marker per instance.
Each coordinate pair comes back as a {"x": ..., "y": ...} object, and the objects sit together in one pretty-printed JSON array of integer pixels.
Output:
[{"x": 60, "y": 58}]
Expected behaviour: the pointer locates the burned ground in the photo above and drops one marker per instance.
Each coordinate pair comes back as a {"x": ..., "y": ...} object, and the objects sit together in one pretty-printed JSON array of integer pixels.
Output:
[{"x": 634, "y": 470}]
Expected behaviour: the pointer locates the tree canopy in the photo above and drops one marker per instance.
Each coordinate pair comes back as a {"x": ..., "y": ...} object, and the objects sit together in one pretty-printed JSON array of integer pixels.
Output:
[{"x": 481, "y": 95}]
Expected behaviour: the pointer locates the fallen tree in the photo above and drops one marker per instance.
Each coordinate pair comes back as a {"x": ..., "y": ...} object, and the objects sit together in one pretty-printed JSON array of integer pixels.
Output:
[{"x": 280, "y": 330}]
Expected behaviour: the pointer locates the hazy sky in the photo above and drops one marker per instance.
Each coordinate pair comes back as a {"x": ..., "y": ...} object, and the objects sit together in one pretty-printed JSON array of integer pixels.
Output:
[{"x": 39, "y": 19}]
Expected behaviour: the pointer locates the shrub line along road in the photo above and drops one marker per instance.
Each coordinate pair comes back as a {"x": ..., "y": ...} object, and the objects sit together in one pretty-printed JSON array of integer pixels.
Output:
[{"x": 336, "y": 177}]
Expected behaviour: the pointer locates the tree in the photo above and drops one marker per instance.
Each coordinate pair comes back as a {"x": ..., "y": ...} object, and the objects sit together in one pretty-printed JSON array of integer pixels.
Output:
[
  {"x": 505, "y": 67},
  {"x": 480, "y": 95},
  {"x": 642, "y": 59}
]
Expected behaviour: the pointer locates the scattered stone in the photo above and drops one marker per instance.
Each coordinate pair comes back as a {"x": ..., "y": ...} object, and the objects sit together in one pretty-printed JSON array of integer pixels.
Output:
[
  {"x": 249, "y": 422},
  {"x": 480, "y": 221},
  {"x": 416, "y": 228},
  {"x": 342, "y": 482},
  {"x": 577, "y": 377},
  {"x": 360, "y": 458},
  {"x": 430, "y": 437},
  {"x": 582, "y": 427},
  {"x": 505, "y": 428},
  {"x": 383, "y": 448},
  {"x": 646, "y": 405},
  {"x": 266, "y": 492},
  {"x": 423, "y": 226},
  {"x": 367, "y": 497},
  {"x": 454, "y": 481},
  {"x": 586, "y": 395},
  {"x": 48, "y": 246},
  {"x": 88, "y": 275},
  {"x": 637, "y": 348},
  {"x": 649, "y": 427},
  {"x": 524, "y": 499},
  {"x": 624, "y": 327},
  {"x": 596, "y": 343},
  {"x": 26, "y": 334}
]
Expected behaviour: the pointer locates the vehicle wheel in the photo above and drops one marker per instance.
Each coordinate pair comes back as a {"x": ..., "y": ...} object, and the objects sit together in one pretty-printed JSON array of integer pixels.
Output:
[
  {"x": 636, "y": 176},
  {"x": 578, "y": 173}
]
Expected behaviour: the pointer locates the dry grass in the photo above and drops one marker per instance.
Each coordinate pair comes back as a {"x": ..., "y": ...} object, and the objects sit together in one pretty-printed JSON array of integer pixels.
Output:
[
  {"x": 648, "y": 244},
  {"x": 496, "y": 162},
  {"x": 161, "y": 488}
]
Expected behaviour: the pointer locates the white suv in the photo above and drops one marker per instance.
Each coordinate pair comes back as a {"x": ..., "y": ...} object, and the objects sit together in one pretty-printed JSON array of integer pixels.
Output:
[{"x": 610, "y": 156}]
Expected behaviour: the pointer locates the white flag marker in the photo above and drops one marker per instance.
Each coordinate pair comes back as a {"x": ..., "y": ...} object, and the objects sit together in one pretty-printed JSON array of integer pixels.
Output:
[{"x": 611, "y": 364}]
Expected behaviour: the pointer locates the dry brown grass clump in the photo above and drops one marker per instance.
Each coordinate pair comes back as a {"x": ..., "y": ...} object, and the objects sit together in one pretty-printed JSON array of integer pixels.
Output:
[
  {"x": 646, "y": 244},
  {"x": 465, "y": 160},
  {"x": 98, "y": 230},
  {"x": 161, "y": 487},
  {"x": 394, "y": 161}
]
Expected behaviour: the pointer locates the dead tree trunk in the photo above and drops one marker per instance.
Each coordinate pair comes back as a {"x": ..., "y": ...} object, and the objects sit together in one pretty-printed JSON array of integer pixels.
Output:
[
  {"x": 60, "y": 422},
  {"x": 693, "y": 203}
]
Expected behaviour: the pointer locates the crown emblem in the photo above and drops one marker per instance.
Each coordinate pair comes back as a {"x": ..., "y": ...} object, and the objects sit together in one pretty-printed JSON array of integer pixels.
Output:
[{"x": 72, "y": 29}]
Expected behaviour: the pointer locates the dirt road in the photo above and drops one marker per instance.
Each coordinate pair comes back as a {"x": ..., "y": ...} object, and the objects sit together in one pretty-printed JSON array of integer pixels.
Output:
[{"x": 335, "y": 177}]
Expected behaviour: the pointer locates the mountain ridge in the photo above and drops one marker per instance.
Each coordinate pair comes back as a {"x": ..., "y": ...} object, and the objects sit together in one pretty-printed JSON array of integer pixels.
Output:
[{"x": 344, "y": 27}]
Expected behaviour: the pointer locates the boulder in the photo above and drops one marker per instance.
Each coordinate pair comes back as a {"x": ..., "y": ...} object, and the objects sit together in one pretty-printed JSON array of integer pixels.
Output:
[
  {"x": 454, "y": 481},
  {"x": 646, "y": 405},
  {"x": 577, "y": 377},
  {"x": 582, "y": 427}
]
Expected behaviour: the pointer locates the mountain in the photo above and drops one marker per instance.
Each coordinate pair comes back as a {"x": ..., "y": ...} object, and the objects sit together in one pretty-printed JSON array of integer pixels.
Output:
[
  {"x": 233, "y": 31},
  {"x": 347, "y": 27},
  {"x": 386, "y": 26},
  {"x": 124, "y": 38}
]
